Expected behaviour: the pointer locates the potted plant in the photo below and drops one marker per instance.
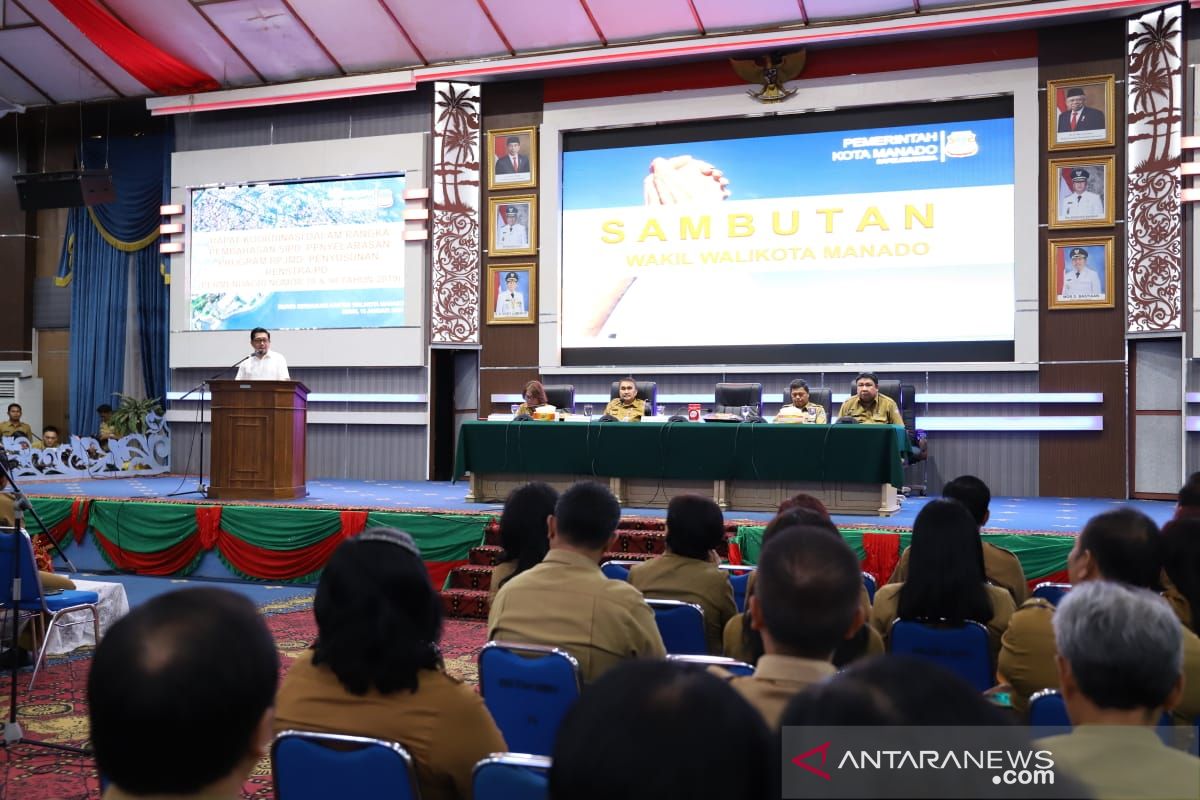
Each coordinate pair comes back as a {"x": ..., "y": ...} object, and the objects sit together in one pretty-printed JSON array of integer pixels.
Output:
[{"x": 130, "y": 414}]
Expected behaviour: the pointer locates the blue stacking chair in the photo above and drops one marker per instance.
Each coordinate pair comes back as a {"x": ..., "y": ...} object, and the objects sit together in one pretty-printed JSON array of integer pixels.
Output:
[
  {"x": 963, "y": 649},
  {"x": 739, "y": 579},
  {"x": 739, "y": 668},
  {"x": 34, "y": 602},
  {"x": 681, "y": 626},
  {"x": 1052, "y": 592},
  {"x": 618, "y": 569},
  {"x": 317, "y": 766},
  {"x": 528, "y": 689},
  {"x": 871, "y": 584},
  {"x": 511, "y": 776},
  {"x": 1047, "y": 710}
]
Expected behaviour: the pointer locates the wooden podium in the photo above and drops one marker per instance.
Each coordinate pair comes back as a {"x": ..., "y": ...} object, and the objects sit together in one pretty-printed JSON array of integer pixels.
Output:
[{"x": 258, "y": 430}]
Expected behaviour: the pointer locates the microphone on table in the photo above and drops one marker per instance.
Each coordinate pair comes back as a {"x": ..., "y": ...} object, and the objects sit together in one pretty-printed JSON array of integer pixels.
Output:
[
  {"x": 608, "y": 418},
  {"x": 846, "y": 421}
]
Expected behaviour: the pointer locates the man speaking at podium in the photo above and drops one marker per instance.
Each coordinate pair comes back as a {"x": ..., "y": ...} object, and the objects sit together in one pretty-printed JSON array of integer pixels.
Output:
[{"x": 262, "y": 364}]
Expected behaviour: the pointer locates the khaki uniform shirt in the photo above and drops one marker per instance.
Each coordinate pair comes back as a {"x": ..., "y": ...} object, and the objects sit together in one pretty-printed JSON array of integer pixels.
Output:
[
  {"x": 566, "y": 602},
  {"x": 499, "y": 573},
  {"x": 1124, "y": 761},
  {"x": 626, "y": 413},
  {"x": 813, "y": 413},
  {"x": 1027, "y": 658},
  {"x": 735, "y": 644},
  {"x": 444, "y": 725},
  {"x": 10, "y": 428},
  {"x": 887, "y": 604},
  {"x": 1179, "y": 603},
  {"x": 689, "y": 580},
  {"x": 885, "y": 411},
  {"x": 999, "y": 565},
  {"x": 776, "y": 680}
]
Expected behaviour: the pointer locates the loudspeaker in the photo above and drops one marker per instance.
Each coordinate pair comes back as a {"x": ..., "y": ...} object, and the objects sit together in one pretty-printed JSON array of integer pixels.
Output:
[{"x": 69, "y": 189}]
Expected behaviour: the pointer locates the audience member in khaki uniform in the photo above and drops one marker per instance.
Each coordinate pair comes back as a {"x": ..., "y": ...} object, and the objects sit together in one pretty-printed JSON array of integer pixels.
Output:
[
  {"x": 13, "y": 425},
  {"x": 1001, "y": 566},
  {"x": 375, "y": 669},
  {"x": 806, "y": 604},
  {"x": 1120, "y": 665},
  {"x": 180, "y": 697},
  {"x": 523, "y": 531},
  {"x": 567, "y": 602},
  {"x": 1181, "y": 569},
  {"x": 869, "y": 406},
  {"x": 627, "y": 406},
  {"x": 1122, "y": 546},
  {"x": 946, "y": 579},
  {"x": 688, "y": 571}
]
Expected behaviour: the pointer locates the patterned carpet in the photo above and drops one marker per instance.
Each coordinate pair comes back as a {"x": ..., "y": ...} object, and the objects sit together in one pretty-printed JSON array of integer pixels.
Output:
[{"x": 56, "y": 711}]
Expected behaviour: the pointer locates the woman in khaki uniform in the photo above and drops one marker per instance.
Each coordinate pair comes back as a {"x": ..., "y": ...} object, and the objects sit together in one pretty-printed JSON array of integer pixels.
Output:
[{"x": 523, "y": 531}]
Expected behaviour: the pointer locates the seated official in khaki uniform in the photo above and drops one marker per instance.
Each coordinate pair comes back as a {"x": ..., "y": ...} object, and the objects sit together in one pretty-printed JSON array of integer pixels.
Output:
[
  {"x": 868, "y": 405},
  {"x": 523, "y": 532},
  {"x": 13, "y": 425},
  {"x": 945, "y": 580},
  {"x": 801, "y": 409},
  {"x": 1120, "y": 665},
  {"x": 534, "y": 395},
  {"x": 50, "y": 439},
  {"x": 627, "y": 406},
  {"x": 688, "y": 571},
  {"x": 1120, "y": 546},
  {"x": 386, "y": 681},
  {"x": 1001, "y": 566},
  {"x": 805, "y": 604},
  {"x": 567, "y": 602}
]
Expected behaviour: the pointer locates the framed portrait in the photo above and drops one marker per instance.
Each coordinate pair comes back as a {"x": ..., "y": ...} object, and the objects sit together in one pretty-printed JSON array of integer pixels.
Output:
[
  {"x": 1079, "y": 112},
  {"x": 513, "y": 227},
  {"x": 510, "y": 296},
  {"x": 512, "y": 158},
  {"x": 1080, "y": 272},
  {"x": 1081, "y": 192}
]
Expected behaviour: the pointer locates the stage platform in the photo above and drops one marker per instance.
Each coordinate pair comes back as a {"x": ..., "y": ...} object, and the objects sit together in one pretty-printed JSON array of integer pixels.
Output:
[{"x": 133, "y": 525}]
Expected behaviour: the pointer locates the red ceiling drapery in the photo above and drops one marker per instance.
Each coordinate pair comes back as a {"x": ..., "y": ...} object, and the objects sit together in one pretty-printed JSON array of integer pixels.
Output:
[{"x": 157, "y": 70}]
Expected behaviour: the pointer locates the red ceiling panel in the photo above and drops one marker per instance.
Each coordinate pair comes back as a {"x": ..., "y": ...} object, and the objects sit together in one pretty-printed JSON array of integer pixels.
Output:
[{"x": 72, "y": 38}]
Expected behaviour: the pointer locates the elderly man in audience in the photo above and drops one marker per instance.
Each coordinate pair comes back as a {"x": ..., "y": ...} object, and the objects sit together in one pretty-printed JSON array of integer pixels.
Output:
[
  {"x": 805, "y": 604},
  {"x": 375, "y": 669},
  {"x": 1122, "y": 546},
  {"x": 688, "y": 571},
  {"x": 567, "y": 602},
  {"x": 181, "y": 695},
  {"x": 1120, "y": 665},
  {"x": 1001, "y": 566}
]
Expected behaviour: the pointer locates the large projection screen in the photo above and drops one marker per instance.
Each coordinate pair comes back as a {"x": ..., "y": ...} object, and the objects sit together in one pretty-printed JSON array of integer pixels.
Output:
[{"x": 875, "y": 233}]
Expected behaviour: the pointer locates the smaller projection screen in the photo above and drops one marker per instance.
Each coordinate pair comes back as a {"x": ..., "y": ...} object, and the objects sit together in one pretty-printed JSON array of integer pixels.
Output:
[{"x": 307, "y": 254}]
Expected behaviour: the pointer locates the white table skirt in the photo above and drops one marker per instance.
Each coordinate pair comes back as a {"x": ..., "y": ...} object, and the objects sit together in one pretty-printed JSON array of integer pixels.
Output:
[{"x": 113, "y": 605}]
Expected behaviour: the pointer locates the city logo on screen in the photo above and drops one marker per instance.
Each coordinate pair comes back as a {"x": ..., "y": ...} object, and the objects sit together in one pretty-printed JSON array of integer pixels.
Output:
[{"x": 908, "y": 148}]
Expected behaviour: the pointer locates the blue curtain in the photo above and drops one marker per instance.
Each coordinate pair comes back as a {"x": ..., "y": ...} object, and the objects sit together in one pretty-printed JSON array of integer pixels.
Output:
[{"x": 95, "y": 257}]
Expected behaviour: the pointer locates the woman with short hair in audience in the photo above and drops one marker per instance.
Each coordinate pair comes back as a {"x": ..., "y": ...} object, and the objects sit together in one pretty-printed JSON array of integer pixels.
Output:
[
  {"x": 1181, "y": 569},
  {"x": 534, "y": 395},
  {"x": 523, "y": 531},
  {"x": 946, "y": 580},
  {"x": 658, "y": 730},
  {"x": 375, "y": 669}
]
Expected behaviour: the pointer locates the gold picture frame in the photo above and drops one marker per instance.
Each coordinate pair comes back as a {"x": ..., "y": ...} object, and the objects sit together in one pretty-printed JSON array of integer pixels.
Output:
[
  {"x": 512, "y": 225},
  {"x": 1072, "y": 284},
  {"x": 1081, "y": 192},
  {"x": 1096, "y": 120},
  {"x": 509, "y": 170},
  {"x": 511, "y": 294}
]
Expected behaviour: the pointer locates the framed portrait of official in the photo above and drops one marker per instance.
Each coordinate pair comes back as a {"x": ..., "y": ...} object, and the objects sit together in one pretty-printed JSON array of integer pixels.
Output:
[
  {"x": 1080, "y": 272},
  {"x": 511, "y": 290},
  {"x": 512, "y": 230},
  {"x": 1081, "y": 192},
  {"x": 512, "y": 158},
  {"x": 1080, "y": 112}
]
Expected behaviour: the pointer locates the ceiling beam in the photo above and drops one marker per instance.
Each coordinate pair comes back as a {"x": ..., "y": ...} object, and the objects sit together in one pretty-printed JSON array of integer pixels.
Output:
[
  {"x": 403, "y": 31},
  {"x": 228, "y": 42},
  {"x": 316, "y": 40},
  {"x": 487, "y": 12},
  {"x": 595, "y": 25},
  {"x": 27, "y": 80},
  {"x": 696, "y": 16},
  {"x": 68, "y": 48}
]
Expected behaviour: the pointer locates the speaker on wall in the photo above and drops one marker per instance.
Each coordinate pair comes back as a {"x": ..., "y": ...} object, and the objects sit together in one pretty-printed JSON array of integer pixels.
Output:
[{"x": 68, "y": 189}]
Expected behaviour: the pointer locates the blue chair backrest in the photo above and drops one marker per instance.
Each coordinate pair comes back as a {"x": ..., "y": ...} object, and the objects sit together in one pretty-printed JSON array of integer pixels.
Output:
[
  {"x": 739, "y": 579},
  {"x": 1051, "y": 592},
  {"x": 512, "y": 776},
  {"x": 322, "y": 765},
  {"x": 1047, "y": 709},
  {"x": 615, "y": 570},
  {"x": 871, "y": 584},
  {"x": 31, "y": 584},
  {"x": 962, "y": 649},
  {"x": 528, "y": 689},
  {"x": 681, "y": 626},
  {"x": 739, "y": 668}
]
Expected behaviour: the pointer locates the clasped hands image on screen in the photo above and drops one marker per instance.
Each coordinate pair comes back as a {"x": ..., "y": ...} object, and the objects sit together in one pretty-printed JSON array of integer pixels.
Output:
[{"x": 669, "y": 232}]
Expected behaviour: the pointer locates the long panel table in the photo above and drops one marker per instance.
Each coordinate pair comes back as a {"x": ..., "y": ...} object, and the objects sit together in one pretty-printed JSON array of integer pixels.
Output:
[{"x": 854, "y": 469}]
